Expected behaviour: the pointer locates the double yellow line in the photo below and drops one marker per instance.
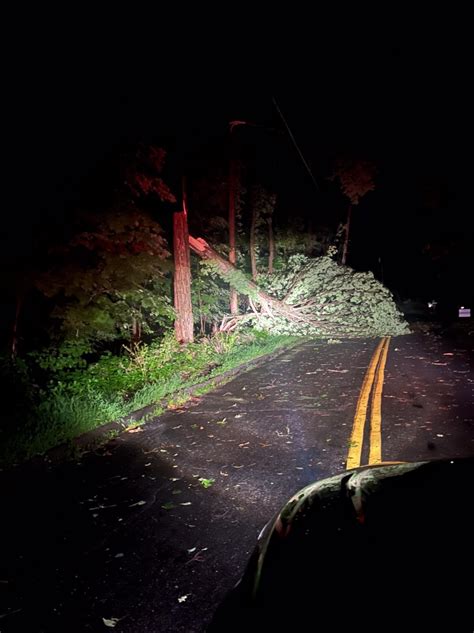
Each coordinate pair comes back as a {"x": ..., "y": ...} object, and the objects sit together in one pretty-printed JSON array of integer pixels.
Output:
[{"x": 373, "y": 382}]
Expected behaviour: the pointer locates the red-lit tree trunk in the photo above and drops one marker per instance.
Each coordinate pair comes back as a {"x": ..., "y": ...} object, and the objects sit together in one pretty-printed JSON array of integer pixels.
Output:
[
  {"x": 347, "y": 227},
  {"x": 233, "y": 189},
  {"x": 271, "y": 246},
  {"x": 252, "y": 242},
  {"x": 183, "y": 325}
]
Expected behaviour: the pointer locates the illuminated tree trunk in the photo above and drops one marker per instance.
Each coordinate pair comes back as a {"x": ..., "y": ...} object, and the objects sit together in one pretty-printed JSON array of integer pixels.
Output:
[
  {"x": 271, "y": 246},
  {"x": 345, "y": 248},
  {"x": 233, "y": 188},
  {"x": 227, "y": 270},
  {"x": 260, "y": 302},
  {"x": 183, "y": 325},
  {"x": 253, "y": 255}
]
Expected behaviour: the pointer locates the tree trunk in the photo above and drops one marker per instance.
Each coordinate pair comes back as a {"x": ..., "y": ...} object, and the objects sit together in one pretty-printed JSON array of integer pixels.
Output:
[
  {"x": 183, "y": 325},
  {"x": 233, "y": 189},
  {"x": 268, "y": 304},
  {"x": 346, "y": 236},
  {"x": 253, "y": 255},
  {"x": 136, "y": 331},
  {"x": 271, "y": 246}
]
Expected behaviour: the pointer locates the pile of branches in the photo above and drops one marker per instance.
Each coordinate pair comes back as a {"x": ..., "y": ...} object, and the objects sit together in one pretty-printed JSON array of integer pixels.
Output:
[{"x": 312, "y": 297}]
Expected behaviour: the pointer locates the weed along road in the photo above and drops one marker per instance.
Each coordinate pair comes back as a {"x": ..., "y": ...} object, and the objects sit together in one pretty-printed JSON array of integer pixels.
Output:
[{"x": 150, "y": 531}]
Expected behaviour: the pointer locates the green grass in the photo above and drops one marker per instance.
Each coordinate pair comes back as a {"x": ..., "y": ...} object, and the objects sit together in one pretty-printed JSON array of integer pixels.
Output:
[{"x": 114, "y": 387}]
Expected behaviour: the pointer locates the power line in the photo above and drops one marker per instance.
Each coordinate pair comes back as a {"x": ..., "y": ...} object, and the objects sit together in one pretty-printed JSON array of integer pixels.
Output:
[{"x": 308, "y": 168}]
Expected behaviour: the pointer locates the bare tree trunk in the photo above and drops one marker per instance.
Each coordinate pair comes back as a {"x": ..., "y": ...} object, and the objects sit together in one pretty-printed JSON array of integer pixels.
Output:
[
  {"x": 136, "y": 331},
  {"x": 346, "y": 236},
  {"x": 183, "y": 325},
  {"x": 271, "y": 246},
  {"x": 253, "y": 255},
  {"x": 233, "y": 189}
]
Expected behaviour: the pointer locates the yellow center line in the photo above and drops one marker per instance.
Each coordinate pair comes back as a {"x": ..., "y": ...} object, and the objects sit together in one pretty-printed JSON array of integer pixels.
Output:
[
  {"x": 375, "y": 446},
  {"x": 357, "y": 436}
]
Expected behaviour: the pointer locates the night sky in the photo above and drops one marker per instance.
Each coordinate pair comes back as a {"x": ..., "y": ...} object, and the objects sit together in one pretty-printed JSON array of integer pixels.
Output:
[{"x": 402, "y": 102}]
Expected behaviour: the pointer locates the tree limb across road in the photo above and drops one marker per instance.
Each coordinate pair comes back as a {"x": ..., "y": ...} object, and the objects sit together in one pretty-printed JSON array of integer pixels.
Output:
[{"x": 318, "y": 298}]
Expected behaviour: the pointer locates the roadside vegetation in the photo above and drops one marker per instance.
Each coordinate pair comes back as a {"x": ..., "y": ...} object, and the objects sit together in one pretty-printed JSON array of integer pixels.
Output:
[
  {"x": 56, "y": 397},
  {"x": 112, "y": 314}
]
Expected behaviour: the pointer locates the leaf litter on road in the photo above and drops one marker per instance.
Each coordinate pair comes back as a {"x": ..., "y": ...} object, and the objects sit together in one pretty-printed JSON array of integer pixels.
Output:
[
  {"x": 206, "y": 483},
  {"x": 197, "y": 558},
  {"x": 111, "y": 622}
]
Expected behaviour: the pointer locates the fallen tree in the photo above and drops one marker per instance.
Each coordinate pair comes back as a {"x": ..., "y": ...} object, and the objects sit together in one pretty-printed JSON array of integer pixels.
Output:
[{"x": 314, "y": 297}]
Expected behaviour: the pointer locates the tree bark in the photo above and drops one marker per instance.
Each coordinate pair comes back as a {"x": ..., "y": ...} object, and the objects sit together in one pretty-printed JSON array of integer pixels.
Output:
[
  {"x": 183, "y": 325},
  {"x": 346, "y": 236},
  {"x": 233, "y": 189},
  {"x": 271, "y": 246},
  {"x": 268, "y": 304}
]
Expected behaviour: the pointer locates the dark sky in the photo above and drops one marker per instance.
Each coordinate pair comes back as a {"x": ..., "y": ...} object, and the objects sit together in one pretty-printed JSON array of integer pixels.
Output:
[{"x": 403, "y": 102}]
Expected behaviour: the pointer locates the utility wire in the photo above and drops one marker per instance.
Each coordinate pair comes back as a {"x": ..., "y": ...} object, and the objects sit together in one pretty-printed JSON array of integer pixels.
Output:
[{"x": 308, "y": 168}]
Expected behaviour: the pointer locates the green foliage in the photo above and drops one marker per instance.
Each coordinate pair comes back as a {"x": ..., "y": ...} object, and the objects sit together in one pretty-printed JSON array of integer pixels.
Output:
[
  {"x": 110, "y": 277},
  {"x": 59, "y": 360},
  {"x": 234, "y": 277},
  {"x": 338, "y": 300},
  {"x": 210, "y": 292},
  {"x": 262, "y": 204},
  {"x": 80, "y": 398},
  {"x": 224, "y": 343},
  {"x": 210, "y": 295},
  {"x": 297, "y": 240},
  {"x": 279, "y": 283}
]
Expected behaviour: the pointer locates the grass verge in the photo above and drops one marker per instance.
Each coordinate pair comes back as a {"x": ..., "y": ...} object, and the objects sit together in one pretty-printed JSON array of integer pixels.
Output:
[{"x": 114, "y": 387}]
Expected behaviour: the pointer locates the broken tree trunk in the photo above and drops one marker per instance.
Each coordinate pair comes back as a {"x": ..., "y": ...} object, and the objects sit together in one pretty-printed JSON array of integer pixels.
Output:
[
  {"x": 323, "y": 299},
  {"x": 231, "y": 274},
  {"x": 269, "y": 306},
  {"x": 182, "y": 278}
]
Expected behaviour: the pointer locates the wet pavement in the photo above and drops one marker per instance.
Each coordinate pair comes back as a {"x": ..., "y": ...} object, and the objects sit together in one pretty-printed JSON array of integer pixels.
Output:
[{"x": 148, "y": 533}]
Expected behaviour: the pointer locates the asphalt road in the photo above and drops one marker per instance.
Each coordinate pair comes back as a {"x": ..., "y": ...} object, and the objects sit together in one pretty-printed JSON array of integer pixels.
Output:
[{"x": 153, "y": 529}]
